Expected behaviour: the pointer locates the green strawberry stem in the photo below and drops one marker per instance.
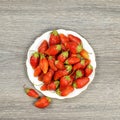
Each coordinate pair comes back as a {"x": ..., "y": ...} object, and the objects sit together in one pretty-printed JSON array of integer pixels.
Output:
[
  {"x": 57, "y": 83},
  {"x": 74, "y": 85},
  {"x": 68, "y": 67},
  {"x": 58, "y": 47},
  {"x": 78, "y": 74},
  {"x": 49, "y": 99},
  {"x": 36, "y": 54},
  {"x": 65, "y": 54},
  {"x": 54, "y": 32},
  {"x": 79, "y": 48}
]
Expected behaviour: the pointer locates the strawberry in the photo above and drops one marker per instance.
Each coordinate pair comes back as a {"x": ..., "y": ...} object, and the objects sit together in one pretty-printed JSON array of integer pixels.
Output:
[
  {"x": 54, "y": 38},
  {"x": 34, "y": 60},
  {"x": 80, "y": 65},
  {"x": 63, "y": 38},
  {"x": 43, "y": 47},
  {"x": 59, "y": 65},
  {"x": 40, "y": 77},
  {"x": 80, "y": 82},
  {"x": 63, "y": 56},
  {"x": 53, "y": 85},
  {"x": 65, "y": 81},
  {"x": 79, "y": 73},
  {"x": 60, "y": 73},
  {"x": 51, "y": 61},
  {"x": 88, "y": 70},
  {"x": 43, "y": 63},
  {"x": 65, "y": 91},
  {"x": 76, "y": 55},
  {"x": 84, "y": 54},
  {"x": 37, "y": 71},
  {"x": 73, "y": 38},
  {"x": 43, "y": 87},
  {"x": 53, "y": 50},
  {"x": 42, "y": 102},
  {"x": 31, "y": 92},
  {"x": 63, "y": 47},
  {"x": 48, "y": 76},
  {"x": 74, "y": 47},
  {"x": 72, "y": 60}
]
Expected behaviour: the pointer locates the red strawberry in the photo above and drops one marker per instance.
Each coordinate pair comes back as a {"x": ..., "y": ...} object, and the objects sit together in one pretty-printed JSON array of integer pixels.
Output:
[
  {"x": 84, "y": 54},
  {"x": 60, "y": 73},
  {"x": 59, "y": 65},
  {"x": 63, "y": 38},
  {"x": 73, "y": 38},
  {"x": 31, "y": 92},
  {"x": 40, "y": 77},
  {"x": 42, "y": 102},
  {"x": 63, "y": 47},
  {"x": 65, "y": 91},
  {"x": 79, "y": 73},
  {"x": 37, "y": 71},
  {"x": 34, "y": 60},
  {"x": 74, "y": 47},
  {"x": 53, "y": 50},
  {"x": 88, "y": 70},
  {"x": 76, "y": 55},
  {"x": 53, "y": 85},
  {"x": 54, "y": 38},
  {"x": 43, "y": 87},
  {"x": 43, "y": 63},
  {"x": 51, "y": 61},
  {"x": 72, "y": 60},
  {"x": 63, "y": 56},
  {"x": 80, "y": 65},
  {"x": 48, "y": 76},
  {"x": 65, "y": 81},
  {"x": 80, "y": 82},
  {"x": 43, "y": 47}
]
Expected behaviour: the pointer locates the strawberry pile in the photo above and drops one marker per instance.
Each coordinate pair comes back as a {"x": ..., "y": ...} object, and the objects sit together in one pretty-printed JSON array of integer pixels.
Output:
[{"x": 62, "y": 64}]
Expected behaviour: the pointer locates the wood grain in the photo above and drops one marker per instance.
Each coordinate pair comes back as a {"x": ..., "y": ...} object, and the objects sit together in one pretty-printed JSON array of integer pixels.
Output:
[{"x": 21, "y": 21}]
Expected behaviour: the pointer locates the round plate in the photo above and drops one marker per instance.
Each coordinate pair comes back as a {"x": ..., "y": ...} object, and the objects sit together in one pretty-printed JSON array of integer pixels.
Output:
[{"x": 37, "y": 84}]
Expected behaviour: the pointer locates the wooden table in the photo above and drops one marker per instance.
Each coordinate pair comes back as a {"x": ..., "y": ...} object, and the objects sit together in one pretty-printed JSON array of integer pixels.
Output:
[{"x": 21, "y": 21}]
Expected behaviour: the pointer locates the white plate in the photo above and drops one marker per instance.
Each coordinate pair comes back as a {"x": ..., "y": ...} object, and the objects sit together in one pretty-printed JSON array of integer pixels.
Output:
[{"x": 37, "y": 84}]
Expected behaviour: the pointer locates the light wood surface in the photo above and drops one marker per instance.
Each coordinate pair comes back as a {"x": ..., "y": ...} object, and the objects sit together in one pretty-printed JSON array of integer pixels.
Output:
[{"x": 21, "y": 21}]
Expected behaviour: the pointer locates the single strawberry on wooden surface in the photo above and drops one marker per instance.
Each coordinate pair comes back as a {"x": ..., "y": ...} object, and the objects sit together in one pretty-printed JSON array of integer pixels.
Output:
[
  {"x": 51, "y": 61},
  {"x": 43, "y": 47},
  {"x": 72, "y": 60},
  {"x": 43, "y": 63},
  {"x": 88, "y": 70},
  {"x": 34, "y": 60},
  {"x": 54, "y": 38},
  {"x": 43, "y": 102},
  {"x": 80, "y": 82},
  {"x": 53, "y": 50},
  {"x": 63, "y": 56},
  {"x": 31, "y": 92},
  {"x": 60, "y": 73},
  {"x": 73, "y": 38}
]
